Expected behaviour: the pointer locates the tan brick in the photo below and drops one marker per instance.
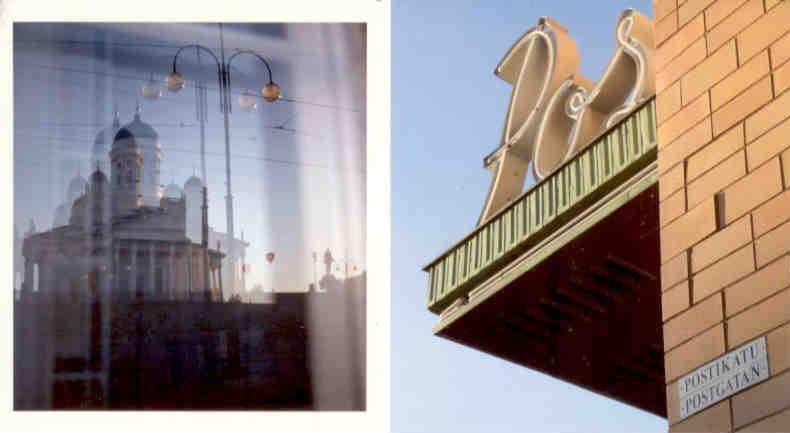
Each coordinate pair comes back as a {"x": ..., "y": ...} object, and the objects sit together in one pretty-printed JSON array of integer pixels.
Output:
[
  {"x": 663, "y": 7},
  {"x": 730, "y": 269},
  {"x": 764, "y": 31},
  {"x": 761, "y": 400},
  {"x": 758, "y": 319},
  {"x": 679, "y": 65},
  {"x": 721, "y": 243},
  {"x": 768, "y": 145},
  {"x": 782, "y": 78},
  {"x": 674, "y": 271},
  {"x": 755, "y": 188},
  {"x": 673, "y": 405},
  {"x": 712, "y": 154},
  {"x": 690, "y": 9},
  {"x": 688, "y": 143},
  {"x": 772, "y": 244},
  {"x": 693, "y": 321},
  {"x": 687, "y": 230},
  {"x": 742, "y": 105},
  {"x": 670, "y": 182},
  {"x": 694, "y": 352},
  {"x": 774, "y": 423},
  {"x": 675, "y": 300},
  {"x": 687, "y": 117},
  {"x": 779, "y": 349},
  {"x": 672, "y": 207},
  {"x": 734, "y": 23},
  {"x": 668, "y": 102},
  {"x": 666, "y": 27},
  {"x": 713, "y": 419},
  {"x": 786, "y": 167},
  {"x": 715, "y": 180},
  {"x": 740, "y": 80},
  {"x": 771, "y": 214},
  {"x": 780, "y": 51},
  {"x": 708, "y": 72},
  {"x": 757, "y": 286},
  {"x": 719, "y": 11},
  {"x": 768, "y": 116},
  {"x": 678, "y": 42}
]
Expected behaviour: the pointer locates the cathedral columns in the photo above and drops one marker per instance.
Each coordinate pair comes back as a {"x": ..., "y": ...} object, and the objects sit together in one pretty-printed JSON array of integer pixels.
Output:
[
  {"x": 133, "y": 270},
  {"x": 213, "y": 278},
  {"x": 171, "y": 271},
  {"x": 182, "y": 274},
  {"x": 151, "y": 269},
  {"x": 106, "y": 269},
  {"x": 188, "y": 257},
  {"x": 219, "y": 280}
]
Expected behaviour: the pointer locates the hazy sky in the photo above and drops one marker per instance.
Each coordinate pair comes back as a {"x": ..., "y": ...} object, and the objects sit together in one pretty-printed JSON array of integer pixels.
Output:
[
  {"x": 297, "y": 189},
  {"x": 448, "y": 111}
]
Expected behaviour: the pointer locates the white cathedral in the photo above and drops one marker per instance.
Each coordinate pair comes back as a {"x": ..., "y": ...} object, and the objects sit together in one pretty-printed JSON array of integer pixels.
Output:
[{"x": 125, "y": 235}]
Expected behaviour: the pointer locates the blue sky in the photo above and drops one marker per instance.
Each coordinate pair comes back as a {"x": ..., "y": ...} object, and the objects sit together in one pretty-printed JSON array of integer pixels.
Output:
[{"x": 448, "y": 110}]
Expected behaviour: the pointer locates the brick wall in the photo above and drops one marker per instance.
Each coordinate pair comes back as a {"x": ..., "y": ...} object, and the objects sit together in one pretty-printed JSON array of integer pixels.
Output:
[{"x": 723, "y": 109}]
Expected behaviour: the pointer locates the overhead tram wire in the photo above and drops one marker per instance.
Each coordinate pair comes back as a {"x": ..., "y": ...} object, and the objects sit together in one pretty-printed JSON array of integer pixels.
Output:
[
  {"x": 280, "y": 127},
  {"x": 213, "y": 89},
  {"x": 86, "y": 153},
  {"x": 35, "y": 43}
]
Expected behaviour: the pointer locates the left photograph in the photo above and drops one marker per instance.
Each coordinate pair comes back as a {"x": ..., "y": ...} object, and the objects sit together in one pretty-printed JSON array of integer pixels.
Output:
[{"x": 189, "y": 216}]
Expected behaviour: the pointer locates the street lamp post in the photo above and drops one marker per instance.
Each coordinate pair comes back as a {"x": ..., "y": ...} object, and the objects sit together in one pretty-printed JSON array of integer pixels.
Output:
[{"x": 270, "y": 92}]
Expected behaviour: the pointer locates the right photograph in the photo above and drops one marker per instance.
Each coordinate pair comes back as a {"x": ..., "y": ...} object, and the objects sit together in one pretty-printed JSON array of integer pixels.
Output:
[{"x": 602, "y": 241}]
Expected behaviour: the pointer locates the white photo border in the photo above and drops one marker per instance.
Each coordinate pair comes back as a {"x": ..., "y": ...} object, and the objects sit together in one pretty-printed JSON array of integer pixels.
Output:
[{"x": 376, "y": 13}]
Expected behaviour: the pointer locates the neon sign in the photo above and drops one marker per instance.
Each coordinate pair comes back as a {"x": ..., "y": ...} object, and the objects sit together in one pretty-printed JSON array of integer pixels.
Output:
[{"x": 555, "y": 111}]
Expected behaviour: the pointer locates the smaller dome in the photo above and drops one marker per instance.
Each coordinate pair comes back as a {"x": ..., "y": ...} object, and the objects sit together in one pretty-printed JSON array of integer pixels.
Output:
[
  {"x": 78, "y": 211},
  {"x": 193, "y": 182},
  {"x": 98, "y": 176},
  {"x": 105, "y": 137},
  {"x": 172, "y": 191},
  {"x": 76, "y": 187}
]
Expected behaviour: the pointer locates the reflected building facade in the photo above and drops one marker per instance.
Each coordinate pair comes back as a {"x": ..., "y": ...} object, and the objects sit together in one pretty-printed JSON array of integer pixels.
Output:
[
  {"x": 180, "y": 218},
  {"x": 122, "y": 238},
  {"x": 121, "y": 308}
]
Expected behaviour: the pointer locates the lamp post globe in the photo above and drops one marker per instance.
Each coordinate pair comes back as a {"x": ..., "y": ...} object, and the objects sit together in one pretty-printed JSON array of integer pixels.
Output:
[
  {"x": 271, "y": 92},
  {"x": 151, "y": 90},
  {"x": 174, "y": 81},
  {"x": 247, "y": 101}
]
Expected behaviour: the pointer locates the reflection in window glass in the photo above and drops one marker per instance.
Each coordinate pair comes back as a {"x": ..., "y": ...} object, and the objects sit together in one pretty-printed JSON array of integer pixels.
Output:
[{"x": 189, "y": 216}]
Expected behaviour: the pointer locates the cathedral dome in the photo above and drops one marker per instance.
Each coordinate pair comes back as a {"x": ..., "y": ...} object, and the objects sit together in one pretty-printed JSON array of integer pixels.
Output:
[
  {"x": 173, "y": 191},
  {"x": 105, "y": 137},
  {"x": 138, "y": 132},
  {"x": 193, "y": 182}
]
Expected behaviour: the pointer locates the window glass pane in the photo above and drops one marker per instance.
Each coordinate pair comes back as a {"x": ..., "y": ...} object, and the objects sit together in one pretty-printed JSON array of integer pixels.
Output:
[{"x": 189, "y": 207}]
